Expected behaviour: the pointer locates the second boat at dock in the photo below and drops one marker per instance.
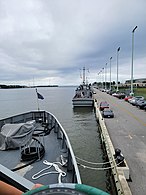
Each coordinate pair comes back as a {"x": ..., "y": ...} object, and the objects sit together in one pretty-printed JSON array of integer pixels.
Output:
[{"x": 83, "y": 95}]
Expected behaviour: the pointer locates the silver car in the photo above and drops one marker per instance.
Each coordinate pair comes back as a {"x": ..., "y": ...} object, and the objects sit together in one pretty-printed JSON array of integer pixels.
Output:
[{"x": 134, "y": 99}]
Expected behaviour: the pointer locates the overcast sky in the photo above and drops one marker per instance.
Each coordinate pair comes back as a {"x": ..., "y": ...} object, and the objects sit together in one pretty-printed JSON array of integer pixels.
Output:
[{"x": 50, "y": 41}]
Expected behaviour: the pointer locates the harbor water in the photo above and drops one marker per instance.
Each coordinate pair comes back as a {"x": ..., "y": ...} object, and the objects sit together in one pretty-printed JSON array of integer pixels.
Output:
[{"x": 80, "y": 124}]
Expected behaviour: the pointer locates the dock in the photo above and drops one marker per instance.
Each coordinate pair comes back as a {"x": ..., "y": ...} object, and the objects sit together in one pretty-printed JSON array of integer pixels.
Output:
[{"x": 126, "y": 131}]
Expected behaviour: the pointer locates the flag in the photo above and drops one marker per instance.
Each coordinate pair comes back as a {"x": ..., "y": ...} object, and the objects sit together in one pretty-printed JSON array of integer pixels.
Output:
[
  {"x": 119, "y": 49},
  {"x": 39, "y": 95}
]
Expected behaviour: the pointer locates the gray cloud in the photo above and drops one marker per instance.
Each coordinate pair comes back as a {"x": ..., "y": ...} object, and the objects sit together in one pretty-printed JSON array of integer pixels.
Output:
[{"x": 51, "y": 40}]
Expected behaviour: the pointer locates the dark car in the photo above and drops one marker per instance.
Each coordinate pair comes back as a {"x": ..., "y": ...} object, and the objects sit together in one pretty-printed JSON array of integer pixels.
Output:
[
  {"x": 107, "y": 113},
  {"x": 119, "y": 95},
  {"x": 103, "y": 105}
]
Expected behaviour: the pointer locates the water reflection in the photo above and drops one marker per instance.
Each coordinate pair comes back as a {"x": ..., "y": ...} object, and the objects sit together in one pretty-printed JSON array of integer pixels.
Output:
[
  {"x": 87, "y": 145},
  {"x": 82, "y": 110}
]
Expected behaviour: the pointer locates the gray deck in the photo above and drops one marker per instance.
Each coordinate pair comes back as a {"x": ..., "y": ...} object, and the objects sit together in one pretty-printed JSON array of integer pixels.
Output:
[
  {"x": 128, "y": 132},
  {"x": 56, "y": 144},
  {"x": 52, "y": 154}
]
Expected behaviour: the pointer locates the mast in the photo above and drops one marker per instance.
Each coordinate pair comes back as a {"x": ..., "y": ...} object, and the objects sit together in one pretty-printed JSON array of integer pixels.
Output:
[{"x": 83, "y": 75}]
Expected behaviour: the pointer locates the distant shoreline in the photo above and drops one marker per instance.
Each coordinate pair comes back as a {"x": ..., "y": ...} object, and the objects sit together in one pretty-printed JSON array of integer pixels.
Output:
[{"x": 19, "y": 86}]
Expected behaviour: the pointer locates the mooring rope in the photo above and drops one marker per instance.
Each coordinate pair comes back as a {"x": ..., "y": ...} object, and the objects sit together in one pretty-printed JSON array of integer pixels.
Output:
[
  {"x": 94, "y": 163},
  {"x": 99, "y": 168}
]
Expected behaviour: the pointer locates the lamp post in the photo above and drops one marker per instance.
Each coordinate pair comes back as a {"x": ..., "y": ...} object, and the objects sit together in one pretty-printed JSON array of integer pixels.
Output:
[
  {"x": 117, "y": 66},
  {"x": 131, "y": 93},
  {"x": 102, "y": 77},
  {"x": 110, "y": 72},
  {"x": 99, "y": 78},
  {"x": 105, "y": 75}
]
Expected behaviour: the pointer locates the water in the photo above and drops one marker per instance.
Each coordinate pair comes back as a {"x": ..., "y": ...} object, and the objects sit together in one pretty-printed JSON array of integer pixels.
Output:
[{"x": 80, "y": 124}]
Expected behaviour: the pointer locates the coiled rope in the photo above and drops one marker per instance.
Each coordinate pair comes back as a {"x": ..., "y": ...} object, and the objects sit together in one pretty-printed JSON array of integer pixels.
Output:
[{"x": 57, "y": 170}]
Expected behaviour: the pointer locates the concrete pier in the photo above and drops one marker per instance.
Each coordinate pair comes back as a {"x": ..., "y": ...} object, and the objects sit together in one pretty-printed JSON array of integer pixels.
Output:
[{"x": 126, "y": 131}]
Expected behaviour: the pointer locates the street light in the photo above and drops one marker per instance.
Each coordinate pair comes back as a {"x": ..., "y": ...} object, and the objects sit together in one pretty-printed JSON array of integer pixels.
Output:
[
  {"x": 117, "y": 66},
  {"x": 110, "y": 72},
  {"x": 105, "y": 75},
  {"x": 102, "y": 77},
  {"x": 132, "y": 60}
]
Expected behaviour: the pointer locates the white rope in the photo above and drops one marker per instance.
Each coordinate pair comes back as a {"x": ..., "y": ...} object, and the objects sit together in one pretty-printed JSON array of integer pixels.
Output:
[
  {"x": 94, "y": 163},
  {"x": 56, "y": 171}
]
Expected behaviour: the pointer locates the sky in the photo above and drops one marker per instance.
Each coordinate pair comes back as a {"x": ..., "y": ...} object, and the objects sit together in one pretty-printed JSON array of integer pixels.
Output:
[{"x": 47, "y": 42}]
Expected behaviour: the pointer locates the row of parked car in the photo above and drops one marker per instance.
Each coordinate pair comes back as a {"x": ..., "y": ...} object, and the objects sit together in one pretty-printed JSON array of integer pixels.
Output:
[
  {"x": 118, "y": 94},
  {"x": 105, "y": 110},
  {"x": 138, "y": 101}
]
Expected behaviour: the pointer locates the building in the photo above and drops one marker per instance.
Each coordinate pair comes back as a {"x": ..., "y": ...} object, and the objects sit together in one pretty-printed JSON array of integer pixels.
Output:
[{"x": 141, "y": 82}]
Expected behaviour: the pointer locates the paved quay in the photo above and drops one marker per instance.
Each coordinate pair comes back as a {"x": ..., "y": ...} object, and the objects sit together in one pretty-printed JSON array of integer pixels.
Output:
[{"x": 127, "y": 131}]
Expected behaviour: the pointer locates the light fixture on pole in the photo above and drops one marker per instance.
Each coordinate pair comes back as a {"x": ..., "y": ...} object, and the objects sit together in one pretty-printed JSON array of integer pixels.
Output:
[
  {"x": 117, "y": 66},
  {"x": 99, "y": 78},
  {"x": 131, "y": 93},
  {"x": 105, "y": 75},
  {"x": 102, "y": 77},
  {"x": 110, "y": 72}
]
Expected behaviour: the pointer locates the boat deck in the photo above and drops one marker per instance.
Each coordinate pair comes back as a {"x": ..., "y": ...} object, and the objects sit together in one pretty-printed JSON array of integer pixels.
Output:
[
  {"x": 83, "y": 96},
  {"x": 12, "y": 159},
  {"x": 58, "y": 153}
]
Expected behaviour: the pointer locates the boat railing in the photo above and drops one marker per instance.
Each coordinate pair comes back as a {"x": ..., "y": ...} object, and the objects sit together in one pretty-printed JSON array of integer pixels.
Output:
[{"x": 65, "y": 146}]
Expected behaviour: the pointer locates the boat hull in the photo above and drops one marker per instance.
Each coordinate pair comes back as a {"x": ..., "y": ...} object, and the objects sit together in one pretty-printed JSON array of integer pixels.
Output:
[{"x": 82, "y": 102}]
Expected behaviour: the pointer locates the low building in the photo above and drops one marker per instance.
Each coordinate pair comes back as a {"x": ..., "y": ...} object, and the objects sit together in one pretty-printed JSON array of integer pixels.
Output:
[{"x": 141, "y": 82}]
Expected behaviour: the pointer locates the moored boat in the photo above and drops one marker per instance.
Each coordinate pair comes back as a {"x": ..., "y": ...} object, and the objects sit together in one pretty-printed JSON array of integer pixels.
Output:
[
  {"x": 34, "y": 148},
  {"x": 30, "y": 143},
  {"x": 83, "y": 94},
  {"x": 82, "y": 98}
]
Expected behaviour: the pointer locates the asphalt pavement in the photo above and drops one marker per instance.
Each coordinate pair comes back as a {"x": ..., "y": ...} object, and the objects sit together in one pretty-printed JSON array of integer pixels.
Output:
[{"x": 128, "y": 133}]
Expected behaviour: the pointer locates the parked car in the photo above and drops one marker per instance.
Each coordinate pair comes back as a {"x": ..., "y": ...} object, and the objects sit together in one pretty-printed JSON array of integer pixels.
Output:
[
  {"x": 134, "y": 99},
  {"x": 107, "y": 113},
  {"x": 103, "y": 90},
  {"x": 119, "y": 95},
  {"x": 111, "y": 92},
  {"x": 128, "y": 97},
  {"x": 103, "y": 105},
  {"x": 108, "y": 91},
  {"x": 115, "y": 94},
  {"x": 141, "y": 104},
  {"x": 131, "y": 99},
  {"x": 137, "y": 102}
]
